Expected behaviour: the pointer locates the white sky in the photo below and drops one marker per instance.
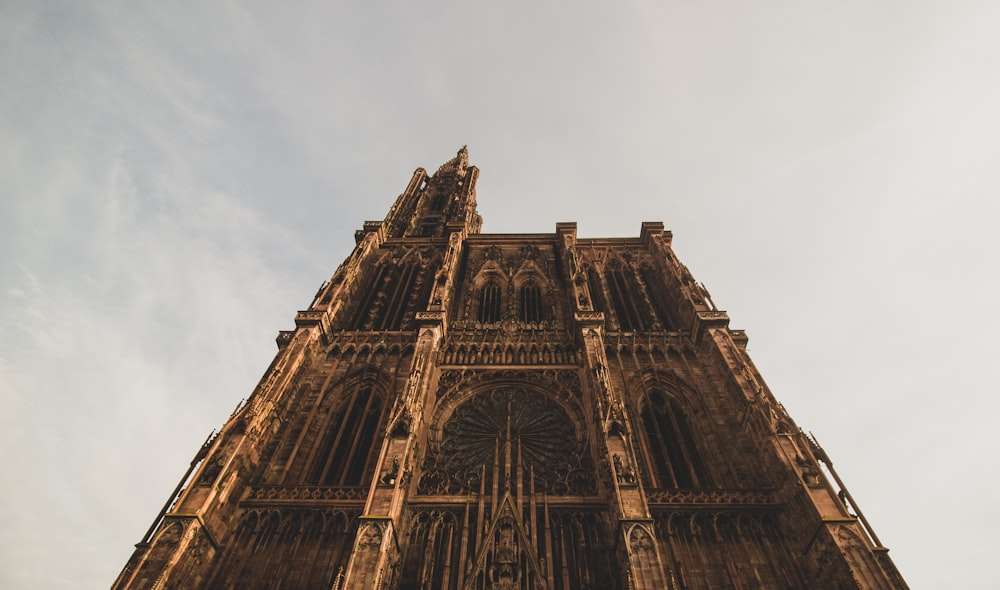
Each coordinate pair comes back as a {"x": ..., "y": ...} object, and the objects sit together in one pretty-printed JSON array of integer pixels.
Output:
[{"x": 177, "y": 180}]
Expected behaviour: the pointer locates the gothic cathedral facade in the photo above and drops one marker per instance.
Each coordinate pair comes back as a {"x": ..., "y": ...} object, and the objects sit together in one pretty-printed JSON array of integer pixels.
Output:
[{"x": 459, "y": 410}]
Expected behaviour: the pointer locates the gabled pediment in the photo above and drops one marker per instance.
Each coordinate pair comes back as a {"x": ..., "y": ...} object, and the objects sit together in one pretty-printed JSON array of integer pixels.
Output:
[{"x": 506, "y": 557}]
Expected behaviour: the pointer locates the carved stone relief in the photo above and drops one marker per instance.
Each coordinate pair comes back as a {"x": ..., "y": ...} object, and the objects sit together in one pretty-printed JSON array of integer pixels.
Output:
[{"x": 370, "y": 535}]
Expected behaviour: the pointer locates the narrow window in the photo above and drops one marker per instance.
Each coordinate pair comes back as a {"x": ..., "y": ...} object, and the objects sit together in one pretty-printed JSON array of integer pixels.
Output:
[
  {"x": 439, "y": 201},
  {"x": 624, "y": 296},
  {"x": 397, "y": 296},
  {"x": 596, "y": 291},
  {"x": 390, "y": 296},
  {"x": 347, "y": 447},
  {"x": 531, "y": 303},
  {"x": 367, "y": 304},
  {"x": 671, "y": 452},
  {"x": 489, "y": 303},
  {"x": 657, "y": 291}
]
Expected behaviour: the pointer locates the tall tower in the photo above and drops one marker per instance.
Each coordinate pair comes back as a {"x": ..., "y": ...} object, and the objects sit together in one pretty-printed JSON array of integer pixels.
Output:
[{"x": 509, "y": 411}]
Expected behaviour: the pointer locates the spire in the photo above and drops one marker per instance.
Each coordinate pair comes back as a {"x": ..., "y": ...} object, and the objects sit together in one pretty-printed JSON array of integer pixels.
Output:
[
  {"x": 456, "y": 166},
  {"x": 459, "y": 163},
  {"x": 431, "y": 206}
]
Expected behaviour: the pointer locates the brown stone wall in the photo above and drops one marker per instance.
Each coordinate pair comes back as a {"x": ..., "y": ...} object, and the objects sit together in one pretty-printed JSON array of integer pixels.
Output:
[{"x": 465, "y": 410}]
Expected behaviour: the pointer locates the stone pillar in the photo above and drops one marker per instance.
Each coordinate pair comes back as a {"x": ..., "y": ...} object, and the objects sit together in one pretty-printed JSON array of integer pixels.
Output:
[
  {"x": 637, "y": 545},
  {"x": 375, "y": 560},
  {"x": 580, "y": 294}
]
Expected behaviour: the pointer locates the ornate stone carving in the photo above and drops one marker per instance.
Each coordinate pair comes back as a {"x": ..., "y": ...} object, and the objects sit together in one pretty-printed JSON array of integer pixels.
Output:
[
  {"x": 455, "y": 386},
  {"x": 497, "y": 347},
  {"x": 625, "y": 473},
  {"x": 529, "y": 252},
  {"x": 211, "y": 470},
  {"x": 478, "y": 444},
  {"x": 503, "y": 434},
  {"x": 387, "y": 477},
  {"x": 370, "y": 535},
  {"x": 712, "y": 497},
  {"x": 281, "y": 494},
  {"x": 639, "y": 539},
  {"x": 429, "y": 317}
]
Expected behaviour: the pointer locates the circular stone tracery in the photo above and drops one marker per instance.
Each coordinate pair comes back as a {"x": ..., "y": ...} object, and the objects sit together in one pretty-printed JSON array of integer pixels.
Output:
[{"x": 495, "y": 428}]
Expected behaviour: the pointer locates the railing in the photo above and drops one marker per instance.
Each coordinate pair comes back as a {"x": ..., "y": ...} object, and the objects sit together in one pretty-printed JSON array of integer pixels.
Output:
[
  {"x": 307, "y": 493},
  {"x": 712, "y": 497},
  {"x": 502, "y": 347},
  {"x": 284, "y": 338}
]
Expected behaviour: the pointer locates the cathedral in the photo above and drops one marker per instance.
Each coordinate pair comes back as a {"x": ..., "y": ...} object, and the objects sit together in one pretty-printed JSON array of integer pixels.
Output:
[{"x": 460, "y": 410}]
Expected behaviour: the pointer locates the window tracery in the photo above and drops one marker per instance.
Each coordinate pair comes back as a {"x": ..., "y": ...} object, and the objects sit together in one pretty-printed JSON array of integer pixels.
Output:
[
  {"x": 505, "y": 436},
  {"x": 286, "y": 548},
  {"x": 624, "y": 297},
  {"x": 490, "y": 300},
  {"x": 391, "y": 297},
  {"x": 660, "y": 298},
  {"x": 672, "y": 455},
  {"x": 531, "y": 303},
  {"x": 438, "y": 201},
  {"x": 345, "y": 455},
  {"x": 634, "y": 298}
]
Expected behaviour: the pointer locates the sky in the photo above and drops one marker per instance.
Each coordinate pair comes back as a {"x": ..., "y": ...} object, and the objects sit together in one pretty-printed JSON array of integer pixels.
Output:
[{"x": 178, "y": 178}]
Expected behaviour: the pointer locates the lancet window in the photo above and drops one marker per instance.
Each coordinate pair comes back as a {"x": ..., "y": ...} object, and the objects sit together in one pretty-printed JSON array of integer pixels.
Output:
[
  {"x": 581, "y": 550},
  {"x": 346, "y": 454},
  {"x": 626, "y": 299},
  {"x": 284, "y": 548},
  {"x": 597, "y": 290},
  {"x": 620, "y": 292},
  {"x": 657, "y": 291},
  {"x": 490, "y": 302},
  {"x": 531, "y": 303},
  {"x": 671, "y": 453},
  {"x": 389, "y": 297},
  {"x": 433, "y": 559}
]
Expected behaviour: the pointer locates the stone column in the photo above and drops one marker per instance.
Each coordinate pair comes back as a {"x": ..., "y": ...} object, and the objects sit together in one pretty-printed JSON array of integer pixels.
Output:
[
  {"x": 375, "y": 560},
  {"x": 636, "y": 542}
]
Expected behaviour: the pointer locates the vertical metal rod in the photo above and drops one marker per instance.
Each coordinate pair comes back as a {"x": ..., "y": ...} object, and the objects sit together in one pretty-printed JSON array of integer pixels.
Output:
[
  {"x": 173, "y": 496},
  {"x": 840, "y": 484}
]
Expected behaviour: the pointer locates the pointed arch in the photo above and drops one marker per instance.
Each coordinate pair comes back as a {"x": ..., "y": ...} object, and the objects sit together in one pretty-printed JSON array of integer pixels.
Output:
[
  {"x": 399, "y": 282},
  {"x": 280, "y": 548},
  {"x": 672, "y": 456},
  {"x": 345, "y": 451},
  {"x": 531, "y": 309},
  {"x": 490, "y": 302},
  {"x": 657, "y": 289}
]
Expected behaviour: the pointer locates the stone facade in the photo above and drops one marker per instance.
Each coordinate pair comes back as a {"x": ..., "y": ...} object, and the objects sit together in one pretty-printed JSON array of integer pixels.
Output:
[{"x": 517, "y": 411}]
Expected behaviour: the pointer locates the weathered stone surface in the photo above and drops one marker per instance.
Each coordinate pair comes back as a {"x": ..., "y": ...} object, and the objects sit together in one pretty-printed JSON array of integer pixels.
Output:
[{"x": 518, "y": 411}]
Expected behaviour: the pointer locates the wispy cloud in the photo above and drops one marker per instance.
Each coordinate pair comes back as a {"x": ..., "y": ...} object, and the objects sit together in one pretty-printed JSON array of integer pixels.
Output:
[{"x": 176, "y": 179}]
